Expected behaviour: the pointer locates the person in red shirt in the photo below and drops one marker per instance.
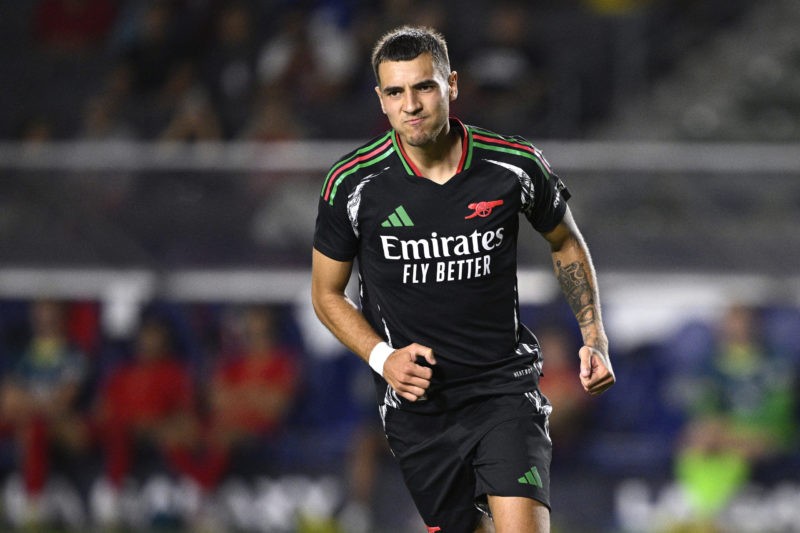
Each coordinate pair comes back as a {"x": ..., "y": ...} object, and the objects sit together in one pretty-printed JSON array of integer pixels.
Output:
[
  {"x": 146, "y": 404},
  {"x": 250, "y": 393},
  {"x": 253, "y": 388}
]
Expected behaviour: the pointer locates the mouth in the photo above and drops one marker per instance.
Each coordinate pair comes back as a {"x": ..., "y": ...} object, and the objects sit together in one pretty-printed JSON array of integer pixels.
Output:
[{"x": 416, "y": 121}]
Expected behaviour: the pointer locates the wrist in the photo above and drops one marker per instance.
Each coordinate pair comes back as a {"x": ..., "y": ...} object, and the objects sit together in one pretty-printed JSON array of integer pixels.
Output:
[
  {"x": 378, "y": 356},
  {"x": 597, "y": 341}
]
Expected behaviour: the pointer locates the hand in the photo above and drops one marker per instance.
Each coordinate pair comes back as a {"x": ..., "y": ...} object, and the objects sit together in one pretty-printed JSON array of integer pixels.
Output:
[
  {"x": 596, "y": 372},
  {"x": 409, "y": 379}
]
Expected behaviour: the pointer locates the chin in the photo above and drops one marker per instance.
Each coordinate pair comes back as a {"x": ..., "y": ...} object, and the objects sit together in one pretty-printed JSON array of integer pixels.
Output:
[{"x": 420, "y": 139}]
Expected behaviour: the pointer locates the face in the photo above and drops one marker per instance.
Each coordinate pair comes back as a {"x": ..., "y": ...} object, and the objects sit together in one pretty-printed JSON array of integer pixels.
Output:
[
  {"x": 152, "y": 341},
  {"x": 47, "y": 319},
  {"x": 416, "y": 98}
]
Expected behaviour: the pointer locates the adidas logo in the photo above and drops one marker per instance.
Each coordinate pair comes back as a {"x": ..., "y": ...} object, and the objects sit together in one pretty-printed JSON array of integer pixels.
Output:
[
  {"x": 398, "y": 219},
  {"x": 531, "y": 477}
]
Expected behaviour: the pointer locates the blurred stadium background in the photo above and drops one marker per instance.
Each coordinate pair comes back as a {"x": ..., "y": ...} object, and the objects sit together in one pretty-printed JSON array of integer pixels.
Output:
[{"x": 163, "y": 159}]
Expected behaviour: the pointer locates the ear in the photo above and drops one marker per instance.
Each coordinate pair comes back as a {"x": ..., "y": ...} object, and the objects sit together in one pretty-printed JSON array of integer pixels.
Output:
[
  {"x": 378, "y": 92},
  {"x": 452, "y": 82}
]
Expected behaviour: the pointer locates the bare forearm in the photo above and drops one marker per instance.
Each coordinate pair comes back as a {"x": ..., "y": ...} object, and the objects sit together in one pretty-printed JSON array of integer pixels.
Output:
[
  {"x": 346, "y": 322},
  {"x": 578, "y": 281},
  {"x": 575, "y": 273}
]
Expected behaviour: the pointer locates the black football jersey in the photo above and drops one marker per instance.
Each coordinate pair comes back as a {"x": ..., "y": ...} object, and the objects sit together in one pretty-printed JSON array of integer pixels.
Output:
[{"x": 437, "y": 263}]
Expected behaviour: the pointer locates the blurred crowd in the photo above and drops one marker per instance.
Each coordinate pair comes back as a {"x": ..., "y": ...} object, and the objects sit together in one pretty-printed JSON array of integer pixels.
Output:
[
  {"x": 202, "y": 395},
  {"x": 217, "y": 398},
  {"x": 103, "y": 414},
  {"x": 209, "y": 395},
  {"x": 281, "y": 69}
]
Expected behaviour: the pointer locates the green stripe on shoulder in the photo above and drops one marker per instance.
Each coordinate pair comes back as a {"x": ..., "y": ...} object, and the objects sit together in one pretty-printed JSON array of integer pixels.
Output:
[
  {"x": 533, "y": 155},
  {"x": 481, "y": 131},
  {"x": 520, "y": 153},
  {"x": 354, "y": 155},
  {"x": 507, "y": 138},
  {"x": 369, "y": 162},
  {"x": 507, "y": 150}
]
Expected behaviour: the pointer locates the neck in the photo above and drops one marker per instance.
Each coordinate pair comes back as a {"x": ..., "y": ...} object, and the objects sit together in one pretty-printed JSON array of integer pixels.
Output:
[{"x": 438, "y": 161}]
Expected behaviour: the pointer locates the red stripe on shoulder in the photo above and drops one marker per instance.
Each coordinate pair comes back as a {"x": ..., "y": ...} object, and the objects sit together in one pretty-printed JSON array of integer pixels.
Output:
[
  {"x": 518, "y": 146},
  {"x": 352, "y": 163}
]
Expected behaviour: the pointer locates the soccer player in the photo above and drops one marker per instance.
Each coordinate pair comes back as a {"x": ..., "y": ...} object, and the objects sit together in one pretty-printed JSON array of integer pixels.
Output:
[{"x": 431, "y": 211}]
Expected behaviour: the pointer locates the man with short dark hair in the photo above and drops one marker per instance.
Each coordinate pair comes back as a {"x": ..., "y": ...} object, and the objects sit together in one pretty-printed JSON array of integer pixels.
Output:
[{"x": 431, "y": 211}]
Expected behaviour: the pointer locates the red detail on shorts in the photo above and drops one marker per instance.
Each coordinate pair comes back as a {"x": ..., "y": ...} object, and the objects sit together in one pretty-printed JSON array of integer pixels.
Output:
[
  {"x": 434, "y": 529},
  {"x": 483, "y": 209}
]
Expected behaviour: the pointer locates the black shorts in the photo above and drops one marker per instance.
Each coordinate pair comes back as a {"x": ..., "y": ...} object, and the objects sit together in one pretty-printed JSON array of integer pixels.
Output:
[{"x": 451, "y": 461}]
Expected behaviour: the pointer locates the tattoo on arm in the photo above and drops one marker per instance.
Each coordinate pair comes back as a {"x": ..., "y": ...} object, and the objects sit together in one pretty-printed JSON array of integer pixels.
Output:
[{"x": 574, "y": 282}]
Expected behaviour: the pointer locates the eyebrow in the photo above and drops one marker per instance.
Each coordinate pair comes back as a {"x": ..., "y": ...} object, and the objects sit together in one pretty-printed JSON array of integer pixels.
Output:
[{"x": 419, "y": 84}]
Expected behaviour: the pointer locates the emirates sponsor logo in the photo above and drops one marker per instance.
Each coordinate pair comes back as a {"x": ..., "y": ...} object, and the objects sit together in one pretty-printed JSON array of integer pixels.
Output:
[
  {"x": 436, "y": 246},
  {"x": 443, "y": 258}
]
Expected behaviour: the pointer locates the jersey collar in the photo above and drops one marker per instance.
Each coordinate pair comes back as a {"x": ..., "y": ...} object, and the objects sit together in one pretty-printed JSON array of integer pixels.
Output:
[{"x": 466, "y": 149}]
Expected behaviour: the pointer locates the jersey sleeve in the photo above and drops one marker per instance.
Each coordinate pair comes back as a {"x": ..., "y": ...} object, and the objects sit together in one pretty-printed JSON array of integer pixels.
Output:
[
  {"x": 333, "y": 234},
  {"x": 545, "y": 199}
]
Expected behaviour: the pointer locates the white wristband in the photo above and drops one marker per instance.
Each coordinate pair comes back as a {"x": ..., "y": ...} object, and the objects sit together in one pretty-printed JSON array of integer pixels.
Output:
[{"x": 378, "y": 356}]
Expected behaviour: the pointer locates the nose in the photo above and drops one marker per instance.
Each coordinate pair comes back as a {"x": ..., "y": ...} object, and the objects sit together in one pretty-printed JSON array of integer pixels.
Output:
[{"x": 411, "y": 103}]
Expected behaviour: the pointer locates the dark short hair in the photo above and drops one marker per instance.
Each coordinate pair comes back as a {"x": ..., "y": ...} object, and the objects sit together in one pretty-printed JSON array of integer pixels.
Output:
[{"x": 407, "y": 42}]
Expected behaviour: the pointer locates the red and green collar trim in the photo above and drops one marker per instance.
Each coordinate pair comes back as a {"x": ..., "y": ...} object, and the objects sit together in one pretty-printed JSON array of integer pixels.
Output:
[
  {"x": 466, "y": 149},
  {"x": 389, "y": 143}
]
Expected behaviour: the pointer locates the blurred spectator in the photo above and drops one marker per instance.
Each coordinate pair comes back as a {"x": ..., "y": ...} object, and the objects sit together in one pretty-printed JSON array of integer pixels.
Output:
[
  {"x": 103, "y": 119},
  {"x": 254, "y": 387},
  {"x": 39, "y": 402},
  {"x": 310, "y": 56},
  {"x": 194, "y": 119},
  {"x": 145, "y": 408},
  {"x": 274, "y": 119},
  {"x": 251, "y": 392},
  {"x": 229, "y": 67},
  {"x": 506, "y": 82},
  {"x": 73, "y": 26},
  {"x": 308, "y": 64},
  {"x": 562, "y": 387},
  {"x": 742, "y": 408},
  {"x": 107, "y": 112},
  {"x": 156, "y": 74},
  {"x": 154, "y": 51}
]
